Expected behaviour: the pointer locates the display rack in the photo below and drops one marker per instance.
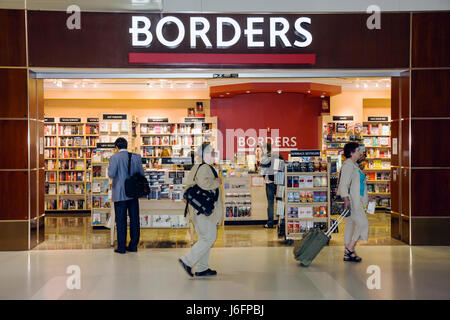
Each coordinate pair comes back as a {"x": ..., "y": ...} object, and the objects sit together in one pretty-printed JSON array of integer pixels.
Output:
[
  {"x": 68, "y": 145},
  {"x": 307, "y": 196},
  {"x": 377, "y": 142}
]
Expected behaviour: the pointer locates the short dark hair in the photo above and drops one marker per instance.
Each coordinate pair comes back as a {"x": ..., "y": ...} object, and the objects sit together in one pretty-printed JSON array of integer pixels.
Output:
[
  {"x": 349, "y": 148},
  {"x": 121, "y": 143}
]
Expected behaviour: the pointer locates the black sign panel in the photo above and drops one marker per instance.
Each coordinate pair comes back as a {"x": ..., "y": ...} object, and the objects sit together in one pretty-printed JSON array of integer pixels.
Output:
[
  {"x": 305, "y": 153},
  {"x": 66, "y": 120},
  {"x": 194, "y": 120},
  {"x": 157, "y": 120},
  {"x": 384, "y": 119},
  {"x": 49, "y": 119},
  {"x": 342, "y": 118},
  {"x": 90, "y": 120},
  {"x": 114, "y": 117},
  {"x": 105, "y": 145},
  {"x": 176, "y": 161}
]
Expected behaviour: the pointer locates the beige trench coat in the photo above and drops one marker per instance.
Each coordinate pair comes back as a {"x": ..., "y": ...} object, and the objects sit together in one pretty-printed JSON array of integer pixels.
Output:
[{"x": 205, "y": 179}]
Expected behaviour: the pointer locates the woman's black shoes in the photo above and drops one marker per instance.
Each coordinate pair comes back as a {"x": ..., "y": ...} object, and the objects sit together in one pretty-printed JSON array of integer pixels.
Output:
[
  {"x": 350, "y": 256},
  {"x": 186, "y": 268},
  {"x": 206, "y": 273}
]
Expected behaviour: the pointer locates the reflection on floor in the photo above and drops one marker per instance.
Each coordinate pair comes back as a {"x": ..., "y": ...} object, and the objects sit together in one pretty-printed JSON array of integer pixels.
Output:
[
  {"x": 258, "y": 273},
  {"x": 77, "y": 233}
]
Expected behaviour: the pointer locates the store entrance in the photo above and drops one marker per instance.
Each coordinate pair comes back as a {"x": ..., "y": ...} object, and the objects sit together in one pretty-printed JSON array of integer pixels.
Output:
[{"x": 165, "y": 119}]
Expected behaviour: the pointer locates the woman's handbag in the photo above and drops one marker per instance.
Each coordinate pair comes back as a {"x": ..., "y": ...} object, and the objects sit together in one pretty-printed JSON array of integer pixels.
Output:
[{"x": 202, "y": 200}]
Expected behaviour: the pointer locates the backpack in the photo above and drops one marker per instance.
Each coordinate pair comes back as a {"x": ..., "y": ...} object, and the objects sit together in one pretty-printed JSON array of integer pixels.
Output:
[
  {"x": 202, "y": 200},
  {"x": 136, "y": 186}
]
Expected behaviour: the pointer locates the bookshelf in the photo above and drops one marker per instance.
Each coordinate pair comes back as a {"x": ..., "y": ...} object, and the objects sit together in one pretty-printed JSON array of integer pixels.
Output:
[
  {"x": 307, "y": 194},
  {"x": 377, "y": 143},
  {"x": 165, "y": 145},
  {"x": 67, "y": 151}
]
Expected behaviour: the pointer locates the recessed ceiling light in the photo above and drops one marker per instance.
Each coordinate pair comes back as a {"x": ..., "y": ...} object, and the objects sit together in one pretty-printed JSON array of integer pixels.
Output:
[
  {"x": 228, "y": 93},
  {"x": 322, "y": 96},
  {"x": 247, "y": 91},
  {"x": 279, "y": 91},
  {"x": 309, "y": 91},
  {"x": 221, "y": 95},
  {"x": 365, "y": 85}
]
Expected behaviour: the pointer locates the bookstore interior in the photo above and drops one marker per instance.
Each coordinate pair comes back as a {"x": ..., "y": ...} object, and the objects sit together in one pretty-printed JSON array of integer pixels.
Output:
[{"x": 308, "y": 121}]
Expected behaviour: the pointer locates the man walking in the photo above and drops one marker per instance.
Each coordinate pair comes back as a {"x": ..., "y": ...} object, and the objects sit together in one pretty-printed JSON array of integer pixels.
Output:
[{"x": 118, "y": 171}]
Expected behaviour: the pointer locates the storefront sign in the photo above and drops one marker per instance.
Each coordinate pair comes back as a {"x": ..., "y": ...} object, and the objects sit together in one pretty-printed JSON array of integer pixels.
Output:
[
  {"x": 176, "y": 161},
  {"x": 384, "y": 119},
  {"x": 69, "y": 120},
  {"x": 105, "y": 145},
  {"x": 158, "y": 120},
  {"x": 145, "y": 31},
  {"x": 305, "y": 153},
  {"x": 90, "y": 120},
  {"x": 342, "y": 118},
  {"x": 191, "y": 120},
  {"x": 49, "y": 120},
  {"x": 114, "y": 117}
]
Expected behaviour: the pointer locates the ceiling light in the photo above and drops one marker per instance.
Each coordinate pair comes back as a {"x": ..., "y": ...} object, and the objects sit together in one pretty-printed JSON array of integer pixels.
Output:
[
  {"x": 279, "y": 91},
  {"x": 357, "y": 85},
  {"x": 228, "y": 93},
  {"x": 309, "y": 91},
  {"x": 83, "y": 85},
  {"x": 388, "y": 85},
  {"x": 365, "y": 85},
  {"x": 247, "y": 91},
  {"x": 75, "y": 85},
  {"x": 221, "y": 95},
  {"x": 322, "y": 96},
  {"x": 376, "y": 84},
  {"x": 95, "y": 85},
  {"x": 59, "y": 84}
]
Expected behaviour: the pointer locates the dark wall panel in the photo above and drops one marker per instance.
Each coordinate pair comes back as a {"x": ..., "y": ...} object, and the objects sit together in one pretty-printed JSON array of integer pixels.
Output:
[
  {"x": 430, "y": 192},
  {"x": 395, "y": 98},
  {"x": 14, "y": 135},
  {"x": 405, "y": 144},
  {"x": 395, "y": 189},
  {"x": 34, "y": 192},
  {"x": 395, "y": 134},
  {"x": 339, "y": 40},
  {"x": 13, "y": 195},
  {"x": 12, "y": 38},
  {"x": 13, "y": 235},
  {"x": 431, "y": 143},
  {"x": 430, "y": 231},
  {"x": 13, "y": 93},
  {"x": 34, "y": 144},
  {"x": 430, "y": 94},
  {"x": 404, "y": 92},
  {"x": 431, "y": 39},
  {"x": 405, "y": 172}
]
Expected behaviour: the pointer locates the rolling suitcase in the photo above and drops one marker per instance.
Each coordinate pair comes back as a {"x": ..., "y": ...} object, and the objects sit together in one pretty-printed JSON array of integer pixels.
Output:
[{"x": 313, "y": 241}]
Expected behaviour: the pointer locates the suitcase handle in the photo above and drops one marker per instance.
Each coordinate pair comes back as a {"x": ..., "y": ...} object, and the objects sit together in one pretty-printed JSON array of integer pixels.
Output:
[{"x": 337, "y": 222}]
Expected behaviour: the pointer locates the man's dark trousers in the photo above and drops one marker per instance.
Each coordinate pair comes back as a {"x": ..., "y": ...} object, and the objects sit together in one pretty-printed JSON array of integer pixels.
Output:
[
  {"x": 121, "y": 208},
  {"x": 271, "y": 191}
]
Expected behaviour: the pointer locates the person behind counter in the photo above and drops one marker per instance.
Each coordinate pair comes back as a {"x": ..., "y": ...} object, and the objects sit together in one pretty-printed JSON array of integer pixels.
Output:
[
  {"x": 353, "y": 190},
  {"x": 267, "y": 170}
]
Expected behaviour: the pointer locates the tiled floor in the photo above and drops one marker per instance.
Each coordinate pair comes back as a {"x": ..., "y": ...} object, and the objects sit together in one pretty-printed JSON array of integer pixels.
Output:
[
  {"x": 76, "y": 233},
  {"x": 243, "y": 273}
]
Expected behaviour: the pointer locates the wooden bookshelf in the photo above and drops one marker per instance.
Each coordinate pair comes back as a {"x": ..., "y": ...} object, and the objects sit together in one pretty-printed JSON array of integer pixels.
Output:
[{"x": 54, "y": 131}]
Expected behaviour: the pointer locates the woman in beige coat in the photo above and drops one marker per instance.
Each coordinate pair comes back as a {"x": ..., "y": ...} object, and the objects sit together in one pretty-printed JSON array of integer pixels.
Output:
[
  {"x": 353, "y": 189},
  {"x": 205, "y": 226}
]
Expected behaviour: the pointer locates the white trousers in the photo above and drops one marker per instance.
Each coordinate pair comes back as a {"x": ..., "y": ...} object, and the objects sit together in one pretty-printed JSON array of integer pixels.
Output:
[
  {"x": 198, "y": 256},
  {"x": 357, "y": 225}
]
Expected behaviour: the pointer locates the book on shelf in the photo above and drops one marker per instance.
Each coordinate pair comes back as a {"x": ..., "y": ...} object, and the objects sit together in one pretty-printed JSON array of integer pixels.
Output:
[
  {"x": 103, "y": 127},
  {"x": 114, "y": 127}
]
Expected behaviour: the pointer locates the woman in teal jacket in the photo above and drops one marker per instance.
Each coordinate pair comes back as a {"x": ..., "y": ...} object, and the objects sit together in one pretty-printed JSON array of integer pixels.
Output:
[{"x": 353, "y": 189}]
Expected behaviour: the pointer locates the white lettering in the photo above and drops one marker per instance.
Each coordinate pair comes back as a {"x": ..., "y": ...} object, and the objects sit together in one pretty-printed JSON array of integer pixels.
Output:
[
  {"x": 74, "y": 281},
  {"x": 274, "y": 33},
  {"x": 285, "y": 141},
  {"x": 74, "y": 21},
  {"x": 374, "y": 281},
  {"x": 136, "y": 31},
  {"x": 181, "y": 32},
  {"x": 252, "y": 143},
  {"x": 196, "y": 21},
  {"x": 250, "y": 32},
  {"x": 374, "y": 21},
  {"x": 294, "y": 141},
  {"x": 241, "y": 141},
  {"x": 237, "y": 32},
  {"x": 303, "y": 33}
]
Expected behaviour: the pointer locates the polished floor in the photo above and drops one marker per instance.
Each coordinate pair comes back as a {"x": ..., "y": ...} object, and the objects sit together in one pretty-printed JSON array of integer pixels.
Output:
[
  {"x": 76, "y": 233},
  {"x": 243, "y": 273}
]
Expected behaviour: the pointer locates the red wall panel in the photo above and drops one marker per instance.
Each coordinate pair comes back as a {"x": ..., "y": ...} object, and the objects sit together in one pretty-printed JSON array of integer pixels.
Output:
[{"x": 292, "y": 113}]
